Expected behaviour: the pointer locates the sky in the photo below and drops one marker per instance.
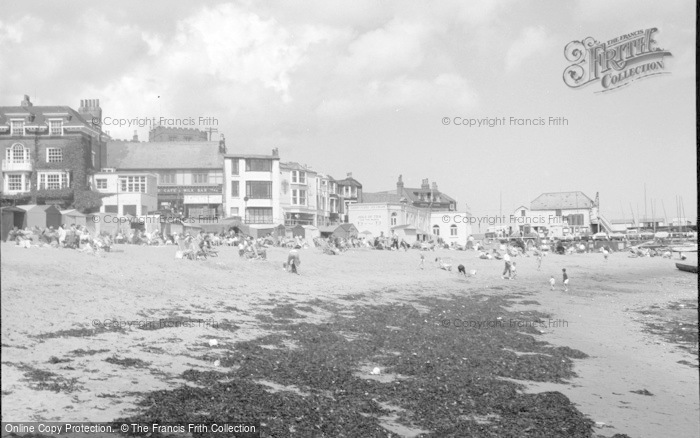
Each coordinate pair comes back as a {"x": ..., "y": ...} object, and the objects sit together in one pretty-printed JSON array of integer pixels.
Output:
[{"x": 364, "y": 86}]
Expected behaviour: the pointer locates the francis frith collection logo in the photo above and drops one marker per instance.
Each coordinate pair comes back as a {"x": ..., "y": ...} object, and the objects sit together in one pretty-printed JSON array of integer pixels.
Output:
[{"x": 615, "y": 63}]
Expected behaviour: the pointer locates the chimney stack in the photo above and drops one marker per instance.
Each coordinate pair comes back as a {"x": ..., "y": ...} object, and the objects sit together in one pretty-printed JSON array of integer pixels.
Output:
[
  {"x": 425, "y": 185},
  {"x": 26, "y": 102},
  {"x": 349, "y": 174},
  {"x": 399, "y": 186},
  {"x": 275, "y": 152},
  {"x": 435, "y": 189},
  {"x": 90, "y": 111},
  {"x": 136, "y": 136}
]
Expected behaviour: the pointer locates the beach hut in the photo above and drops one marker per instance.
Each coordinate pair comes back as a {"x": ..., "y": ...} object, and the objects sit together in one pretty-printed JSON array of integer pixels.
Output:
[
  {"x": 298, "y": 231},
  {"x": 11, "y": 217},
  {"x": 345, "y": 231},
  {"x": 73, "y": 217},
  {"x": 41, "y": 216}
]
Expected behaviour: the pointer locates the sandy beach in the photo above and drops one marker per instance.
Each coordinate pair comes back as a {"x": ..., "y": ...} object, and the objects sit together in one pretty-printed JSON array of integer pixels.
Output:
[{"x": 80, "y": 317}]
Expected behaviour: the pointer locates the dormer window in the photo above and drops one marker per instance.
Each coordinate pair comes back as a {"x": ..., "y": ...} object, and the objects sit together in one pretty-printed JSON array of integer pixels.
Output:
[
  {"x": 17, "y": 127},
  {"x": 55, "y": 127}
]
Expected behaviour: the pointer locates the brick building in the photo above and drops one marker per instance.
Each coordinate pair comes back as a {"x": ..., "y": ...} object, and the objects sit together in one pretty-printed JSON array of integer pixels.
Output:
[
  {"x": 164, "y": 133},
  {"x": 49, "y": 151}
]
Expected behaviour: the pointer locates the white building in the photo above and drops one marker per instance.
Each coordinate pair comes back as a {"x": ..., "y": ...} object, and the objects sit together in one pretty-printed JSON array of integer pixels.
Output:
[
  {"x": 134, "y": 193},
  {"x": 299, "y": 195},
  {"x": 252, "y": 188},
  {"x": 409, "y": 222},
  {"x": 558, "y": 214}
]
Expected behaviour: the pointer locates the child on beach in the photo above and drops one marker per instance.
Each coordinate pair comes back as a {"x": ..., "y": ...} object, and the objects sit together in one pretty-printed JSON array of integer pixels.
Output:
[
  {"x": 513, "y": 271},
  {"x": 551, "y": 282},
  {"x": 605, "y": 253},
  {"x": 539, "y": 260},
  {"x": 566, "y": 280},
  {"x": 422, "y": 262}
]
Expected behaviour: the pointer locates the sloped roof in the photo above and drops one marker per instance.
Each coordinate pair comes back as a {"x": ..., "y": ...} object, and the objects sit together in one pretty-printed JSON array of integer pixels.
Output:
[
  {"x": 42, "y": 114},
  {"x": 291, "y": 165},
  {"x": 561, "y": 201},
  {"x": 32, "y": 207},
  {"x": 126, "y": 155},
  {"x": 413, "y": 195},
  {"x": 349, "y": 181}
]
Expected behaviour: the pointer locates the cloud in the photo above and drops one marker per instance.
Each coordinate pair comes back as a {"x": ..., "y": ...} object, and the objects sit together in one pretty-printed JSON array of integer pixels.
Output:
[{"x": 532, "y": 41}]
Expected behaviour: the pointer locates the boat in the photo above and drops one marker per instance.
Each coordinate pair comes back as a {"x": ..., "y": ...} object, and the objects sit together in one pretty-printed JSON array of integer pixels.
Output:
[{"x": 687, "y": 268}]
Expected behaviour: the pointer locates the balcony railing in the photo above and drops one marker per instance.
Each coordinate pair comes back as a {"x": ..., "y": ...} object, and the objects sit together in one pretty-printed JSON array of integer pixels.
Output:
[{"x": 8, "y": 165}]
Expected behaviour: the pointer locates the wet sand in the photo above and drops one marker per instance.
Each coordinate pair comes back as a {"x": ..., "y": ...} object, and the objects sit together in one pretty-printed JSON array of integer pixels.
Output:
[{"x": 50, "y": 297}]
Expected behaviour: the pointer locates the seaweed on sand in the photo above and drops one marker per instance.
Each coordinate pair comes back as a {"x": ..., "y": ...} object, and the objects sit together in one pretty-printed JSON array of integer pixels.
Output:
[{"x": 450, "y": 377}]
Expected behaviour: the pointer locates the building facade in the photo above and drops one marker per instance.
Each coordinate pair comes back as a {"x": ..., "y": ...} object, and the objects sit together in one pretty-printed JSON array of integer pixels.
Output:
[
  {"x": 190, "y": 176},
  {"x": 252, "y": 188},
  {"x": 559, "y": 214},
  {"x": 348, "y": 191},
  {"x": 299, "y": 195},
  {"x": 133, "y": 193},
  {"x": 49, "y": 151}
]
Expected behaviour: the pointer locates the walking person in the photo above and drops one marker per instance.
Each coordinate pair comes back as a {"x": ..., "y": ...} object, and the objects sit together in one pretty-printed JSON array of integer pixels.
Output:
[
  {"x": 422, "y": 262},
  {"x": 551, "y": 282},
  {"x": 539, "y": 260},
  {"x": 566, "y": 280},
  {"x": 293, "y": 261},
  {"x": 507, "y": 268}
]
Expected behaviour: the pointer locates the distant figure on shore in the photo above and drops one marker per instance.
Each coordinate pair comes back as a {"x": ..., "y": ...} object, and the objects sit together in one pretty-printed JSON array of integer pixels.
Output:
[
  {"x": 605, "y": 254},
  {"x": 422, "y": 262},
  {"x": 513, "y": 270},
  {"x": 551, "y": 282},
  {"x": 293, "y": 261},
  {"x": 566, "y": 279},
  {"x": 539, "y": 260}
]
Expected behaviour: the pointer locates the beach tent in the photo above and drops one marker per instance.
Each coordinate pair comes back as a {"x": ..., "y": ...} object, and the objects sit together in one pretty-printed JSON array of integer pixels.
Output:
[
  {"x": 326, "y": 231},
  {"x": 367, "y": 235},
  {"x": 104, "y": 223},
  {"x": 311, "y": 232},
  {"x": 298, "y": 231},
  {"x": 41, "y": 216},
  {"x": 345, "y": 231},
  {"x": 73, "y": 217},
  {"x": 11, "y": 217}
]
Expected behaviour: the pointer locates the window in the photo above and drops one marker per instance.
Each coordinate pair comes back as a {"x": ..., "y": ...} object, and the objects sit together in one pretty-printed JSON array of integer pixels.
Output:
[
  {"x": 144, "y": 209},
  {"x": 129, "y": 209},
  {"x": 298, "y": 197},
  {"x": 53, "y": 180},
  {"x": 56, "y": 127},
  {"x": 17, "y": 154},
  {"x": 101, "y": 183},
  {"x": 298, "y": 177},
  {"x": 235, "y": 187},
  {"x": 453, "y": 230},
  {"x": 133, "y": 184},
  {"x": 393, "y": 218},
  {"x": 258, "y": 215},
  {"x": 167, "y": 178},
  {"x": 172, "y": 138},
  {"x": 235, "y": 167},
  {"x": 200, "y": 178},
  {"x": 258, "y": 165},
  {"x": 522, "y": 212},
  {"x": 436, "y": 230},
  {"x": 54, "y": 155},
  {"x": 17, "y": 127},
  {"x": 14, "y": 182},
  {"x": 258, "y": 189},
  {"x": 92, "y": 158},
  {"x": 234, "y": 211},
  {"x": 111, "y": 209},
  {"x": 575, "y": 219},
  {"x": 557, "y": 212}
]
